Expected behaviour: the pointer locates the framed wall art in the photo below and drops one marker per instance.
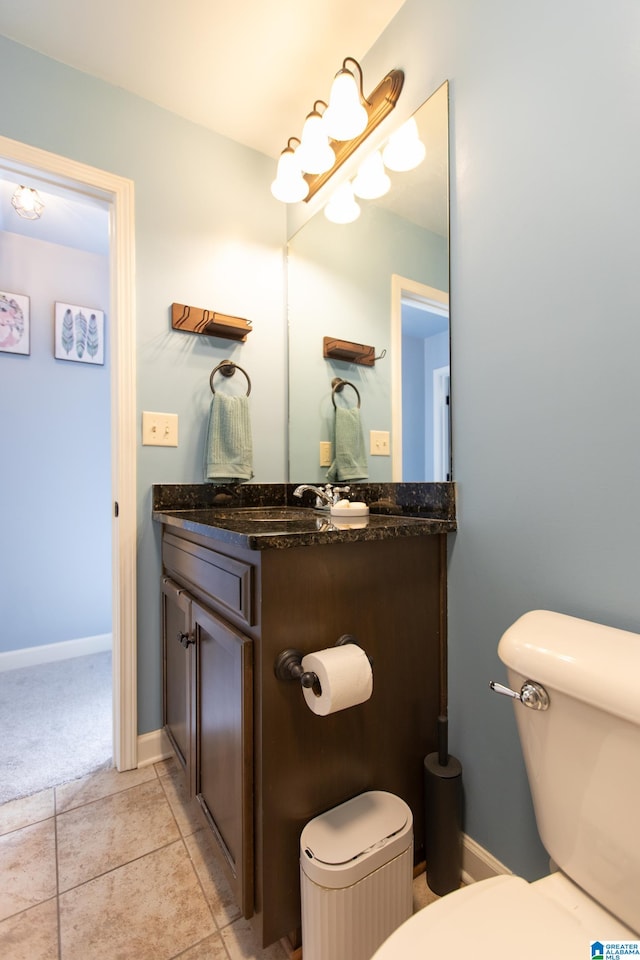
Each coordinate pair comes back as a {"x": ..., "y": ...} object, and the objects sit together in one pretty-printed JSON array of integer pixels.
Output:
[
  {"x": 79, "y": 333},
  {"x": 15, "y": 329}
]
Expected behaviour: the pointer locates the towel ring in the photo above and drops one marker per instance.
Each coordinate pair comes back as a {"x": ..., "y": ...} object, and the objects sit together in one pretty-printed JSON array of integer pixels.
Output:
[
  {"x": 227, "y": 368},
  {"x": 336, "y": 387}
]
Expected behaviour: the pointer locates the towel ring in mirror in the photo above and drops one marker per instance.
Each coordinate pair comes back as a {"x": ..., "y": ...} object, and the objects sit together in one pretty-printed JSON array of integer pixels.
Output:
[
  {"x": 227, "y": 368},
  {"x": 337, "y": 385}
]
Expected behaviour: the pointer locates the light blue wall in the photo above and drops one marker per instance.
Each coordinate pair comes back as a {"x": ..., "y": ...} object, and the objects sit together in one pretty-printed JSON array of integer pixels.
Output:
[
  {"x": 545, "y": 311},
  {"x": 209, "y": 234},
  {"x": 55, "y": 560}
]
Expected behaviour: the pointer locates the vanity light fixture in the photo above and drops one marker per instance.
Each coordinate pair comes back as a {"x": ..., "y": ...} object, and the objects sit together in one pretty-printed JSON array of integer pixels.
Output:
[
  {"x": 342, "y": 207},
  {"x": 344, "y": 125},
  {"x": 371, "y": 181},
  {"x": 289, "y": 185},
  {"x": 404, "y": 150},
  {"x": 27, "y": 203},
  {"x": 346, "y": 116},
  {"x": 315, "y": 155}
]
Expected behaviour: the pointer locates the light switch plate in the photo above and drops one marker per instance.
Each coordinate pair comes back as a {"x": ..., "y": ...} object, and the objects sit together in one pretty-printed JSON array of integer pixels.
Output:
[
  {"x": 379, "y": 443},
  {"x": 159, "y": 429},
  {"x": 326, "y": 455}
]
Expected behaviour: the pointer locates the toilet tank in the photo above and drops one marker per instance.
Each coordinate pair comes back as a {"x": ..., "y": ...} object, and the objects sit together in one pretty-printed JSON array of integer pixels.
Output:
[{"x": 582, "y": 754}]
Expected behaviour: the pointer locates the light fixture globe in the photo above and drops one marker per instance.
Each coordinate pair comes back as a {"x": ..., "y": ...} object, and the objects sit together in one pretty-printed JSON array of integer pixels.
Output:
[
  {"x": 27, "y": 203},
  {"x": 289, "y": 185},
  {"x": 345, "y": 118},
  {"x": 371, "y": 181},
  {"x": 314, "y": 155},
  {"x": 404, "y": 150},
  {"x": 342, "y": 208}
]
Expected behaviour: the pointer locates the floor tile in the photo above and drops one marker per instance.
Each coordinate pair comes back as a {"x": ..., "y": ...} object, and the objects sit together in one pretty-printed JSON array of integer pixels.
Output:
[
  {"x": 242, "y": 942},
  {"x": 150, "y": 909},
  {"x": 422, "y": 894},
  {"x": 206, "y": 860},
  {"x": 107, "y": 833},
  {"x": 188, "y": 813},
  {"x": 32, "y": 934},
  {"x": 21, "y": 813},
  {"x": 210, "y": 949},
  {"x": 27, "y": 867},
  {"x": 101, "y": 784}
]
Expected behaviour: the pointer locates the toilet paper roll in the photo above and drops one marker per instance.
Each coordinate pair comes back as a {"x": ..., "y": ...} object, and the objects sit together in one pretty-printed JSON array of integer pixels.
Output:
[{"x": 345, "y": 677}]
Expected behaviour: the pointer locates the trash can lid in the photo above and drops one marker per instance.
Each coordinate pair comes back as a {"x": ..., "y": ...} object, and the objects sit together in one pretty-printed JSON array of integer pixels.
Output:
[{"x": 354, "y": 828}]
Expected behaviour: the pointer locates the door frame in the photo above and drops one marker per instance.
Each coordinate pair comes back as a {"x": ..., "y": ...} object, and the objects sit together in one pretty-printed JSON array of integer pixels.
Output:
[
  {"x": 402, "y": 288},
  {"x": 118, "y": 192}
]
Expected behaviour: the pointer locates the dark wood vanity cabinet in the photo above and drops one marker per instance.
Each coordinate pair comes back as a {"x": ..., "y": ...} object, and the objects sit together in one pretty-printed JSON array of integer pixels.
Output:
[
  {"x": 264, "y": 763},
  {"x": 208, "y": 717},
  {"x": 179, "y": 677}
]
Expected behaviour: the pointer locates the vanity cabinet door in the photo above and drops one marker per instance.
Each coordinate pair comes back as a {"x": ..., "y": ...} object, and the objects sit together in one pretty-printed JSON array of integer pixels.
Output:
[
  {"x": 179, "y": 677},
  {"x": 225, "y": 744}
]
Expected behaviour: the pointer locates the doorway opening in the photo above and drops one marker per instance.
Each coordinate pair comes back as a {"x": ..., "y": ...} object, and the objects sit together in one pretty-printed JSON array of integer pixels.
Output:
[
  {"x": 56, "y": 173},
  {"x": 420, "y": 373}
]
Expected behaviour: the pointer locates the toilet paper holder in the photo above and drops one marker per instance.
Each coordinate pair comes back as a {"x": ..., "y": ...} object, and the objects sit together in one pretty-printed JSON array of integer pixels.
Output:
[{"x": 288, "y": 665}]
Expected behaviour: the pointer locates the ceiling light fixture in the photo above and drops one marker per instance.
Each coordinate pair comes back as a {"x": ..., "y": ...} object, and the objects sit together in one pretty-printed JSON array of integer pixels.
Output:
[
  {"x": 27, "y": 203},
  {"x": 346, "y": 123}
]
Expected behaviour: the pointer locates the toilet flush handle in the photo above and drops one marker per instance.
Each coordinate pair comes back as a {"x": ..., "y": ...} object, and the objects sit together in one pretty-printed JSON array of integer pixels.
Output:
[{"x": 532, "y": 694}]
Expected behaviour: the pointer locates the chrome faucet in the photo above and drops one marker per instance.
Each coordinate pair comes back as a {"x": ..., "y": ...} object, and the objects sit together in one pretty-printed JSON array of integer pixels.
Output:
[{"x": 325, "y": 496}]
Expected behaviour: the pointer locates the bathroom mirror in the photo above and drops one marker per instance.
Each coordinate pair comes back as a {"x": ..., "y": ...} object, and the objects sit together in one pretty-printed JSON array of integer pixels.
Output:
[{"x": 381, "y": 281}]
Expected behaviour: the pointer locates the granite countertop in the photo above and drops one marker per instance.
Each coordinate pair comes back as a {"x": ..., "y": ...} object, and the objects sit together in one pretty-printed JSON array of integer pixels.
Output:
[{"x": 396, "y": 510}]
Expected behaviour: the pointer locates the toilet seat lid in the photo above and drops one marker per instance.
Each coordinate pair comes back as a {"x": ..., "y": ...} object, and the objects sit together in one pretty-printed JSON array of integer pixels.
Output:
[{"x": 500, "y": 918}]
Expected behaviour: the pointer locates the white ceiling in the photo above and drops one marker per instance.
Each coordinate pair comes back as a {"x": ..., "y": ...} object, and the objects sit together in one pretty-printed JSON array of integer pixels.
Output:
[{"x": 248, "y": 69}]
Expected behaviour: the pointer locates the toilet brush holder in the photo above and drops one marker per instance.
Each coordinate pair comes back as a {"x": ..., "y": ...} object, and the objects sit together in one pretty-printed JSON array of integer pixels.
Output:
[{"x": 443, "y": 816}]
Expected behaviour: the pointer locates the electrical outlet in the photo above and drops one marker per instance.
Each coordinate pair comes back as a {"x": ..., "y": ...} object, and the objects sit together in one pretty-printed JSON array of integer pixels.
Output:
[
  {"x": 326, "y": 456},
  {"x": 379, "y": 443},
  {"x": 159, "y": 429}
]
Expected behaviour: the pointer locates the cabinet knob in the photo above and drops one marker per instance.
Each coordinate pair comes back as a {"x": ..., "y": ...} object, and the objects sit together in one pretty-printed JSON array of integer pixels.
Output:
[{"x": 185, "y": 639}]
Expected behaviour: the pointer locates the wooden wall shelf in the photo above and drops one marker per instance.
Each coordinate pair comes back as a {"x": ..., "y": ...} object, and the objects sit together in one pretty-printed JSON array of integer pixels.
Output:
[
  {"x": 334, "y": 349},
  {"x": 208, "y": 322}
]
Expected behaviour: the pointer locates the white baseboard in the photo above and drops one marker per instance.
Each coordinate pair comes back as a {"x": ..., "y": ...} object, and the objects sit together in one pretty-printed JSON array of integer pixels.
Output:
[
  {"x": 153, "y": 747},
  {"x": 50, "y": 652},
  {"x": 478, "y": 863}
]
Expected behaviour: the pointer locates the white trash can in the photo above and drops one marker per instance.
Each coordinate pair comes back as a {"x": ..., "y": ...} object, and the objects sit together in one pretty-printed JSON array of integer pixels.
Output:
[{"x": 356, "y": 876}]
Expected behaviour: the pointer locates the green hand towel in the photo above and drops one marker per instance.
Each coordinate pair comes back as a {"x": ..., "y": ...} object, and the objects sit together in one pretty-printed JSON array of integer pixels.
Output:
[
  {"x": 229, "y": 447},
  {"x": 350, "y": 461}
]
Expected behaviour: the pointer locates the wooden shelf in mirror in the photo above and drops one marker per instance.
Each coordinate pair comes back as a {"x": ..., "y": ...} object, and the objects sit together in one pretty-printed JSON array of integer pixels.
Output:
[
  {"x": 335, "y": 349},
  {"x": 208, "y": 322}
]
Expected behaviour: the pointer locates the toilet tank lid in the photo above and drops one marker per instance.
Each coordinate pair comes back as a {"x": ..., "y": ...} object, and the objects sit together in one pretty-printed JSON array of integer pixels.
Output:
[
  {"x": 344, "y": 833},
  {"x": 596, "y": 664}
]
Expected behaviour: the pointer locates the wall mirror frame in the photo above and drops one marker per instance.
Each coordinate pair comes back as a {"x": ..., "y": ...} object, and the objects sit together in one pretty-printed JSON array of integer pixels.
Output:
[{"x": 382, "y": 280}]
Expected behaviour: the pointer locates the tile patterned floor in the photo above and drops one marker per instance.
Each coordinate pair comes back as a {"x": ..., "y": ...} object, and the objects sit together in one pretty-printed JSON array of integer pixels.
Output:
[{"x": 120, "y": 866}]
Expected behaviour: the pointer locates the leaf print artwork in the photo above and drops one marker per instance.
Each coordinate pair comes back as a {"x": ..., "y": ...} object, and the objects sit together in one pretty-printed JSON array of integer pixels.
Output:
[
  {"x": 81, "y": 333},
  {"x": 93, "y": 339},
  {"x": 67, "y": 331}
]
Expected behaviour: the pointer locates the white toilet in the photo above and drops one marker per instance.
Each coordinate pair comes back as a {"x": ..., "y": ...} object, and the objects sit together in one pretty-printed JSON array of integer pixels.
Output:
[{"x": 582, "y": 755}]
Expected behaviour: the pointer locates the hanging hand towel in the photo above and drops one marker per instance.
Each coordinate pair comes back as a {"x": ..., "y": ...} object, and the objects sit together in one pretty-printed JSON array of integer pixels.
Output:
[
  {"x": 350, "y": 461},
  {"x": 229, "y": 448}
]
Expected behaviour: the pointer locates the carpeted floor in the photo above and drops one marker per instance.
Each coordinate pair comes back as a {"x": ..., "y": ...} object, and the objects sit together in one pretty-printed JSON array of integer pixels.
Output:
[{"x": 55, "y": 723}]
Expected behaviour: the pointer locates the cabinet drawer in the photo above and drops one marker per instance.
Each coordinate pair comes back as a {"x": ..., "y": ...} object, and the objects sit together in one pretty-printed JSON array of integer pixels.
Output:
[{"x": 222, "y": 582}]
